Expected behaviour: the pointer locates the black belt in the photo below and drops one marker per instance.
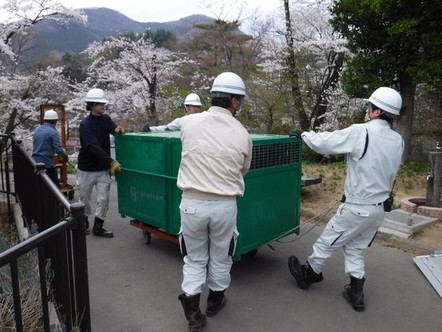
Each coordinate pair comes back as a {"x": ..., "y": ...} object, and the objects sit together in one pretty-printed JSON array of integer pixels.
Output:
[{"x": 343, "y": 201}]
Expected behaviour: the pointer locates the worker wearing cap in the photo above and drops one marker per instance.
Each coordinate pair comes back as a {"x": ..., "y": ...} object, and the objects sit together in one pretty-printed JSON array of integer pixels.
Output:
[
  {"x": 192, "y": 104},
  {"x": 373, "y": 156},
  {"x": 216, "y": 153},
  {"x": 47, "y": 143},
  {"x": 94, "y": 160}
]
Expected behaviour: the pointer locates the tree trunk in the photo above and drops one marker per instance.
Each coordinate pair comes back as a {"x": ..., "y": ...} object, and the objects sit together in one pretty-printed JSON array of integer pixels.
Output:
[
  {"x": 434, "y": 185},
  {"x": 153, "y": 115},
  {"x": 404, "y": 124},
  {"x": 293, "y": 71},
  {"x": 332, "y": 75},
  {"x": 11, "y": 121}
]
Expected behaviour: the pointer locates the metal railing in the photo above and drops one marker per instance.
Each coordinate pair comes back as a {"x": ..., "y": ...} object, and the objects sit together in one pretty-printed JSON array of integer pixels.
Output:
[{"x": 60, "y": 241}]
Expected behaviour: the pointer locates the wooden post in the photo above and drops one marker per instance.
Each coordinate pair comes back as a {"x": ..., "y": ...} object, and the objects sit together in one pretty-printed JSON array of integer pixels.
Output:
[{"x": 434, "y": 178}]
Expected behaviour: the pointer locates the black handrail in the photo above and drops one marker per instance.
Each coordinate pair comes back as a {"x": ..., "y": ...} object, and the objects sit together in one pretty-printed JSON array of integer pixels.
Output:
[{"x": 33, "y": 242}]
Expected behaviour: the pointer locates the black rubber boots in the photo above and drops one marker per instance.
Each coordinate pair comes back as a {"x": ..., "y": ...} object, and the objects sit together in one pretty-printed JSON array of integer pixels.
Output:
[
  {"x": 215, "y": 302},
  {"x": 191, "y": 306},
  {"x": 354, "y": 293},
  {"x": 98, "y": 229}
]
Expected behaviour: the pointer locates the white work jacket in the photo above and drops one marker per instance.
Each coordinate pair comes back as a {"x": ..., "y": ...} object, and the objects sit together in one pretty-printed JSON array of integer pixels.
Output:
[
  {"x": 373, "y": 155},
  {"x": 216, "y": 153},
  {"x": 172, "y": 126}
]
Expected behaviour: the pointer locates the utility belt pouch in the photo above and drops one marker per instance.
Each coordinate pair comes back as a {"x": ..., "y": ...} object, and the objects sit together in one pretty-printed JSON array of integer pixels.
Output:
[{"x": 388, "y": 204}]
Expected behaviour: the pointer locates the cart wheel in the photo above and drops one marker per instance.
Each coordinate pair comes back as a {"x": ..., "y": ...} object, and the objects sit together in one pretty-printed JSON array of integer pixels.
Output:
[
  {"x": 71, "y": 195},
  {"x": 147, "y": 237}
]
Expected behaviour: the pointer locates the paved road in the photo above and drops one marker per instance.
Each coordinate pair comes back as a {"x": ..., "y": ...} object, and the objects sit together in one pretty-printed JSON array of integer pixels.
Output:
[{"x": 134, "y": 287}]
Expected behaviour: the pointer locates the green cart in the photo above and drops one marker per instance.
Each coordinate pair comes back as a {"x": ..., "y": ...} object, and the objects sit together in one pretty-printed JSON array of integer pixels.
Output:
[{"x": 147, "y": 190}]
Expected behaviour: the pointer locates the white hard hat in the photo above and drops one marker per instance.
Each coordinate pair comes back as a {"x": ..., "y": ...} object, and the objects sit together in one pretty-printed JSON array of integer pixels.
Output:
[
  {"x": 192, "y": 99},
  {"x": 229, "y": 82},
  {"x": 50, "y": 115},
  {"x": 96, "y": 96},
  {"x": 387, "y": 99}
]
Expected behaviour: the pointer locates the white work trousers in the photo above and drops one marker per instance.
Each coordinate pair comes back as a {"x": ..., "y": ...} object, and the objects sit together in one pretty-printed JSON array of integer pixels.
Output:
[
  {"x": 207, "y": 241},
  {"x": 86, "y": 181},
  {"x": 353, "y": 228}
]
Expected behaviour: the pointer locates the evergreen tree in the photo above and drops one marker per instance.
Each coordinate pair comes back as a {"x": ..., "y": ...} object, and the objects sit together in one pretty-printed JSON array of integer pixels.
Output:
[{"x": 395, "y": 43}]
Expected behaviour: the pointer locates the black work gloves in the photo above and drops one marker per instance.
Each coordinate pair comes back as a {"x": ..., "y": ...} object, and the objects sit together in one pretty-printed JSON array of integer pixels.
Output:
[{"x": 296, "y": 133}]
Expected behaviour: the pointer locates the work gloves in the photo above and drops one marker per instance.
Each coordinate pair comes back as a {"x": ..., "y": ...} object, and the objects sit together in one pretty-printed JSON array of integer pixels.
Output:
[
  {"x": 116, "y": 167},
  {"x": 296, "y": 133},
  {"x": 119, "y": 130}
]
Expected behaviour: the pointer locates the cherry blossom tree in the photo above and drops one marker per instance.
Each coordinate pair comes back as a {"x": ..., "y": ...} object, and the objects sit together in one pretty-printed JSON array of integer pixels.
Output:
[
  {"x": 137, "y": 76},
  {"x": 23, "y": 87},
  {"x": 298, "y": 84},
  {"x": 315, "y": 62},
  {"x": 21, "y": 96}
]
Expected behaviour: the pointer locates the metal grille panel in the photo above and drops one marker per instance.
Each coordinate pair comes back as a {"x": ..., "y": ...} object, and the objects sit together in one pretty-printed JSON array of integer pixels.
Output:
[{"x": 271, "y": 155}]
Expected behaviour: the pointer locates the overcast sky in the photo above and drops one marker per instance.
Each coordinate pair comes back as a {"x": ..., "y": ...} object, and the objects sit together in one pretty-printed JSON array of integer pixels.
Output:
[{"x": 171, "y": 10}]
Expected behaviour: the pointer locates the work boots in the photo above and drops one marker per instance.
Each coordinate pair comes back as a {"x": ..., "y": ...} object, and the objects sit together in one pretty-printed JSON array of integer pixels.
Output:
[
  {"x": 191, "y": 306},
  {"x": 303, "y": 274},
  {"x": 98, "y": 229},
  {"x": 215, "y": 302},
  {"x": 353, "y": 293}
]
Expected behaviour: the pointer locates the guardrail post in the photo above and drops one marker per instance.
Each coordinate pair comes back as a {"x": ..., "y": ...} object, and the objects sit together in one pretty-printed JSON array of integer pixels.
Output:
[
  {"x": 16, "y": 295},
  {"x": 80, "y": 263}
]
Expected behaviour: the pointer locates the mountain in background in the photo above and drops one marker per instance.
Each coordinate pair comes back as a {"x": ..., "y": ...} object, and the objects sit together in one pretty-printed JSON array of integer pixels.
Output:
[{"x": 103, "y": 22}]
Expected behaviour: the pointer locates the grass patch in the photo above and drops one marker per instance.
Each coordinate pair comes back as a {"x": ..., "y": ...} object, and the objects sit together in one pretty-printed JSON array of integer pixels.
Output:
[
  {"x": 414, "y": 167},
  {"x": 411, "y": 177}
]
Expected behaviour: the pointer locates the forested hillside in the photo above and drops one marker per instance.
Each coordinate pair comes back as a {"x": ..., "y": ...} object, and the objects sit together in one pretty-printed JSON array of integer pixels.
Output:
[{"x": 102, "y": 22}]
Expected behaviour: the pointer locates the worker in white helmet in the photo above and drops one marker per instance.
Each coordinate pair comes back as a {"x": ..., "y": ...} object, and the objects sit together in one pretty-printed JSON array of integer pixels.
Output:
[
  {"x": 373, "y": 156},
  {"x": 192, "y": 104},
  {"x": 216, "y": 153},
  {"x": 47, "y": 143},
  {"x": 94, "y": 160}
]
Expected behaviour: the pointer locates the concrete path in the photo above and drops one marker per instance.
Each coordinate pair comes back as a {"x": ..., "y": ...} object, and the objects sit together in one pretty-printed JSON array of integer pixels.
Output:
[{"x": 134, "y": 287}]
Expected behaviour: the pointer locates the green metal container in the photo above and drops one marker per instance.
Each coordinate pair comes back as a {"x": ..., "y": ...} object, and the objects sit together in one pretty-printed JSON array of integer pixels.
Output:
[{"x": 270, "y": 207}]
